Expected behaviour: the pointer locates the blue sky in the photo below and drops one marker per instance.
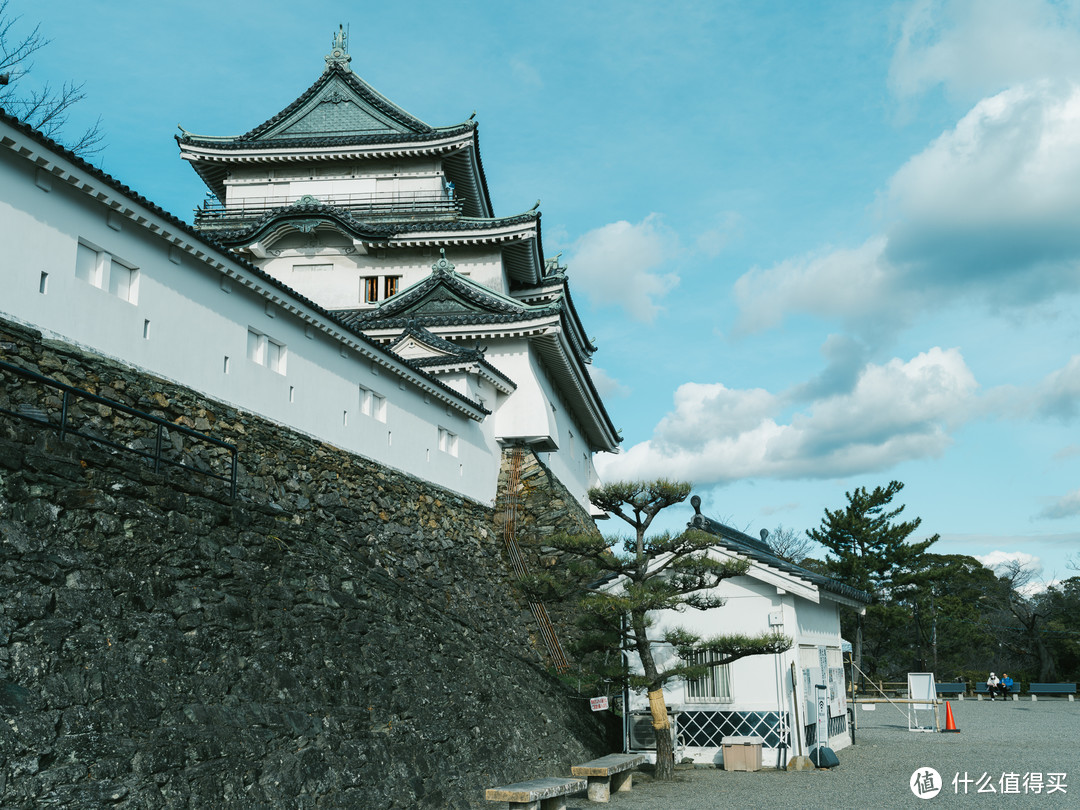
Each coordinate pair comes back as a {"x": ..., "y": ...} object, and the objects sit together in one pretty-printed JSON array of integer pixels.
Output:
[{"x": 820, "y": 245}]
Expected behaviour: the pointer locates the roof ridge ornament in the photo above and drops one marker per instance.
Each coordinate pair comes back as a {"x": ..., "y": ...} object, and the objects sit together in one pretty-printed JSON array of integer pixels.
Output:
[
  {"x": 339, "y": 50},
  {"x": 443, "y": 266}
]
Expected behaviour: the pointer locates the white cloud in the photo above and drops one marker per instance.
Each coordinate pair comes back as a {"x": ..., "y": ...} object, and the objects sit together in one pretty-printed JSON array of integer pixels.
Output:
[
  {"x": 1059, "y": 394},
  {"x": 620, "y": 263},
  {"x": 988, "y": 211},
  {"x": 1064, "y": 507},
  {"x": 977, "y": 47},
  {"x": 606, "y": 385},
  {"x": 837, "y": 284},
  {"x": 895, "y": 412},
  {"x": 998, "y": 558}
]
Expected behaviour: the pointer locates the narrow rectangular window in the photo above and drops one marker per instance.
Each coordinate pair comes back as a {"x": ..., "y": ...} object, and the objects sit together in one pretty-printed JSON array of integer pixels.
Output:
[
  {"x": 371, "y": 289},
  {"x": 712, "y": 687},
  {"x": 378, "y": 407},
  {"x": 448, "y": 442},
  {"x": 43, "y": 284},
  {"x": 366, "y": 399},
  {"x": 344, "y": 418},
  {"x": 275, "y": 356},
  {"x": 90, "y": 265},
  {"x": 146, "y": 329},
  {"x": 292, "y": 394},
  {"x": 123, "y": 281},
  {"x": 391, "y": 287},
  {"x": 225, "y": 365},
  {"x": 256, "y": 347}
]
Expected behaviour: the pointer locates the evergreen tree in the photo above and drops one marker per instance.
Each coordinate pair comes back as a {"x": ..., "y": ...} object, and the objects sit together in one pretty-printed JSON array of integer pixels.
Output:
[
  {"x": 629, "y": 585},
  {"x": 869, "y": 549}
]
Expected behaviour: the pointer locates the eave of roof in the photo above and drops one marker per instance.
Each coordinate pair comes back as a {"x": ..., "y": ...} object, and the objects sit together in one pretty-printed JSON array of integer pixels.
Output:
[
  {"x": 382, "y": 232},
  {"x": 268, "y": 286},
  {"x": 756, "y": 550}
]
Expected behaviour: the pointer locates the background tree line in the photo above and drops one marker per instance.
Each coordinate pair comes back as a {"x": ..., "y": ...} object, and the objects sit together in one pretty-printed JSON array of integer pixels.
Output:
[{"x": 943, "y": 613}]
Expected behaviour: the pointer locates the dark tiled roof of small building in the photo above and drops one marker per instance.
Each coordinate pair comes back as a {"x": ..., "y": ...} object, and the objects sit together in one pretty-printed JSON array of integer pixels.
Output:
[{"x": 759, "y": 551}]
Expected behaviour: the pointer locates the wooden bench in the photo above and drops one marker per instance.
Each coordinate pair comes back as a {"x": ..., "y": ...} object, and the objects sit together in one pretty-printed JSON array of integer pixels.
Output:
[
  {"x": 958, "y": 689},
  {"x": 540, "y": 794},
  {"x": 609, "y": 774},
  {"x": 1037, "y": 689}
]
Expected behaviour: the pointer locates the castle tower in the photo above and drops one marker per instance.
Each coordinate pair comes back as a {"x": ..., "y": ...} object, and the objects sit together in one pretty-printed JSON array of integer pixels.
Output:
[{"x": 386, "y": 221}]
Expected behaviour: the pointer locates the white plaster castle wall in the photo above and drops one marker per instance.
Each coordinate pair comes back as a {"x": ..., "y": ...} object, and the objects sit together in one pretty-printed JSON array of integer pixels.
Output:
[
  {"x": 183, "y": 325},
  {"x": 341, "y": 285}
]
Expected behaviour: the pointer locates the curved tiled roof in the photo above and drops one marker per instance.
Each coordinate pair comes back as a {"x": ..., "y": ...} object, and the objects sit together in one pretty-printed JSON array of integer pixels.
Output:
[
  {"x": 758, "y": 551},
  {"x": 364, "y": 229},
  {"x": 318, "y": 141}
]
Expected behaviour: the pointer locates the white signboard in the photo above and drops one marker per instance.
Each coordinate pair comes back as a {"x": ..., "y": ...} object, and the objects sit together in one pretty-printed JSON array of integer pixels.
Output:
[
  {"x": 822, "y": 715},
  {"x": 598, "y": 704}
]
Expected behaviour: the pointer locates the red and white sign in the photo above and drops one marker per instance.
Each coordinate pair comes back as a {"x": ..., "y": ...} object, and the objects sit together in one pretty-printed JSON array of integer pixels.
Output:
[{"x": 598, "y": 704}]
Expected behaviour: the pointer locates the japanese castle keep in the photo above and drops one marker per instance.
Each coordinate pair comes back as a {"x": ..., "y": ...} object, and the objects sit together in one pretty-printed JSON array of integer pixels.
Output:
[
  {"x": 386, "y": 222},
  {"x": 261, "y": 474}
]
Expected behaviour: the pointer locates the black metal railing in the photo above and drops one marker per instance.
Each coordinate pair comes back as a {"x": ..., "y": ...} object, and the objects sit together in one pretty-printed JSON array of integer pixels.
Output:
[
  {"x": 162, "y": 429},
  {"x": 373, "y": 205}
]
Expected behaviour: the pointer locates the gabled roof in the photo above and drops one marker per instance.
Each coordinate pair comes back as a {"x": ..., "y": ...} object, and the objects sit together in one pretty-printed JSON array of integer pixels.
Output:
[
  {"x": 453, "y": 304},
  {"x": 759, "y": 551},
  {"x": 446, "y": 297},
  {"x": 426, "y": 350},
  {"x": 342, "y": 116}
]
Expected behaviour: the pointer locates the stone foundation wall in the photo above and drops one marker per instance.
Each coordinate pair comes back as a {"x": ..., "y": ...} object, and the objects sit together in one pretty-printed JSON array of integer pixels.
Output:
[{"x": 342, "y": 635}]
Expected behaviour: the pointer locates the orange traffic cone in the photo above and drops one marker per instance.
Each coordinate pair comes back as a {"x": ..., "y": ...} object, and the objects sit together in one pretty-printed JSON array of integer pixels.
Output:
[{"x": 950, "y": 724}]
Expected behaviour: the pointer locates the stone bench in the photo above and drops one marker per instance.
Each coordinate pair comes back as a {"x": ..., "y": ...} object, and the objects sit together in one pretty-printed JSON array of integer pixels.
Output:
[
  {"x": 1036, "y": 689},
  {"x": 612, "y": 773},
  {"x": 540, "y": 794}
]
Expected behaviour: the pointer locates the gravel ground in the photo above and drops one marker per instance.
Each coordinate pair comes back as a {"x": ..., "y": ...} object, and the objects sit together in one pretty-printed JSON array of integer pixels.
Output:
[{"x": 996, "y": 738}]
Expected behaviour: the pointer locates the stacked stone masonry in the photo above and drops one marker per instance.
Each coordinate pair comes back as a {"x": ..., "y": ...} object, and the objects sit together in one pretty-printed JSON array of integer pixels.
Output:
[{"x": 342, "y": 635}]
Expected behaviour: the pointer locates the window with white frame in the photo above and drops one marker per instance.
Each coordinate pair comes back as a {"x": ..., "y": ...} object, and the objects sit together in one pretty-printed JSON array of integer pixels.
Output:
[
  {"x": 266, "y": 351},
  {"x": 372, "y": 404},
  {"x": 712, "y": 687},
  {"x": 448, "y": 442},
  {"x": 101, "y": 269}
]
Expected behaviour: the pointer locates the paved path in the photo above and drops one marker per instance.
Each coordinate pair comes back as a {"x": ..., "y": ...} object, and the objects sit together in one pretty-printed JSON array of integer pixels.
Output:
[{"x": 996, "y": 738}]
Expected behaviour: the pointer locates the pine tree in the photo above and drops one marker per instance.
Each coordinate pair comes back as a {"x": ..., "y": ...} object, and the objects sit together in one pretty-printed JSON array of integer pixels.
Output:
[
  {"x": 869, "y": 549},
  {"x": 629, "y": 586}
]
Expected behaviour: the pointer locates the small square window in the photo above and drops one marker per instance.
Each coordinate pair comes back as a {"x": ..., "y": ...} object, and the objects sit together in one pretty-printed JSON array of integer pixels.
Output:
[{"x": 391, "y": 286}]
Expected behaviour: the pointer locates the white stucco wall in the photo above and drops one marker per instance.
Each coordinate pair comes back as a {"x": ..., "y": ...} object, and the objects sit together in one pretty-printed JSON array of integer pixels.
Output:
[
  {"x": 185, "y": 322},
  {"x": 759, "y": 684}
]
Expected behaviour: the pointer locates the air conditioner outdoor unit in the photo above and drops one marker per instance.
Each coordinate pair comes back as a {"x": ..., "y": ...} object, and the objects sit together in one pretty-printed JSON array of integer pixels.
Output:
[{"x": 642, "y": 734}]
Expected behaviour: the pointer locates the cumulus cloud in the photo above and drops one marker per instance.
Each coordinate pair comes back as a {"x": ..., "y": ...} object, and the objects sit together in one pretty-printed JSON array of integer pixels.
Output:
[
  {"x": 895, "y": 412},
  {"x": 621, "y": 263},
  {"x": 988, "y": 212},
  {"x": 1064, "y": 507},
  {"x": 977, "y": 47}
]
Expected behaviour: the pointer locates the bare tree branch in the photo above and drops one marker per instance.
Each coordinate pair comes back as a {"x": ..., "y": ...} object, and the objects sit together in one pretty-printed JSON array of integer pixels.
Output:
[{"x": 46, "y": 109}]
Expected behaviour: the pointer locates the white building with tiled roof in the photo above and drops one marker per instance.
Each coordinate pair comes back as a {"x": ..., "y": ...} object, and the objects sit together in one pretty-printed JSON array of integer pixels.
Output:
[{"x": 347, "y": 278}]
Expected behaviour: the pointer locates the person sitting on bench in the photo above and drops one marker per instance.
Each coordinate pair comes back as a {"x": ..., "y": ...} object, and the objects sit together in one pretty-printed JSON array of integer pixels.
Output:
[
  {"x": 1006, "y": 685},
  {"x": 992, "y": 685}
]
